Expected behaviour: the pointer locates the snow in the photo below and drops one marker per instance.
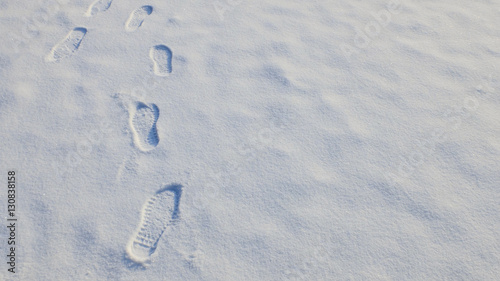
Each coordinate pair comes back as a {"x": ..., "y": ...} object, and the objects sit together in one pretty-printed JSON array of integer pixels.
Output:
[{"x": 251, "y": 140}]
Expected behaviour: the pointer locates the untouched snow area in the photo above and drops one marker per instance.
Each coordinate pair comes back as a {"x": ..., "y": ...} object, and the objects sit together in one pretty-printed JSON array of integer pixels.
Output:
[{"x": 251, "y": 140}]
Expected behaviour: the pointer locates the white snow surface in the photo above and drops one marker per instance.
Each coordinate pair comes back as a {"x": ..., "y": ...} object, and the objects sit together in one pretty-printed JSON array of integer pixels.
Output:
[{"x": 313, "y": 140}]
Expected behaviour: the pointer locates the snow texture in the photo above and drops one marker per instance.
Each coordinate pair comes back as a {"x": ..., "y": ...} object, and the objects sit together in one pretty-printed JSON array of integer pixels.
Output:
[{"x": 313, "y": 140}]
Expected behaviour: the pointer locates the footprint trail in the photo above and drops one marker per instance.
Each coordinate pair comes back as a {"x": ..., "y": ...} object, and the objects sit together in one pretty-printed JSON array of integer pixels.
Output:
[
  {"x": 137, "y": 17},
  {"x": 97, "y": 7},
  {"x": 158, "y": 213},
  {"x": 161, "y": 56},
  {"x": 68, "y": 45}
]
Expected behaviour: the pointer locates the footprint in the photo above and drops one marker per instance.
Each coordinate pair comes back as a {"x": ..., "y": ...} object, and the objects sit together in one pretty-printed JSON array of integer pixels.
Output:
[
  {"x": 143, "y": 124},
  {"x": 68, "y": 45},
  {"x": 158, "y": 213},
  {"x": 97, "y": 7},
  {"x": 137, "y": 17},
  {"x": 162, "y": 60}
]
